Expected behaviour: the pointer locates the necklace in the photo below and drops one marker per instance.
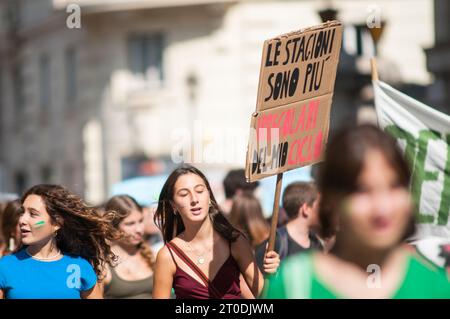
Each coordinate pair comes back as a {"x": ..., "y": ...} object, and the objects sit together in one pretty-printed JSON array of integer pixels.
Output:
[
  {"x": 200, "y": 257},
  {"x": 44, "y": 258}
]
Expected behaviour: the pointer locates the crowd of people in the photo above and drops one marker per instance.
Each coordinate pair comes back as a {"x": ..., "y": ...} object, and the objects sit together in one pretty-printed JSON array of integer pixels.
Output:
[{"x": 346, "y": 235}]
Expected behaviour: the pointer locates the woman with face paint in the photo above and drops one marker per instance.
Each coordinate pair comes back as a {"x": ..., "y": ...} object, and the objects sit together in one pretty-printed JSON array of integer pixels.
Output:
[
  {"x": 365, "y": 202},
  {"x": 204, "y": 254},
  {"x": 132, "y": 277},
  {"x": 65, "y": 248}
]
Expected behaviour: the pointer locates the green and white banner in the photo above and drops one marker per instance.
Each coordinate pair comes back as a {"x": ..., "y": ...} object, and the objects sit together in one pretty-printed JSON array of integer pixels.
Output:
[{"x": 424, "y": 135}]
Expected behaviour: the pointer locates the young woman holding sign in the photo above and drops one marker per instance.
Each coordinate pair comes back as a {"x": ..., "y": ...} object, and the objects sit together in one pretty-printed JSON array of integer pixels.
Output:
[
  {"x": 204, "y": 254},
  {"x": 365, "y": 202},
  {"x": 65, "y": 248}
]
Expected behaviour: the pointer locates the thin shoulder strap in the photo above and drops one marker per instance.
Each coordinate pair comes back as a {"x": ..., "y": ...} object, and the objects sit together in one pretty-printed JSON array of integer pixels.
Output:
[
  {"x": 171, "y": 254},
  {"x": 194, "y": 267}
]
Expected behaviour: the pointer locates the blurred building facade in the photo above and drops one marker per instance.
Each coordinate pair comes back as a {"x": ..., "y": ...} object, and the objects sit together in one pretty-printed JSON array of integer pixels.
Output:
[
  {"x": 438, "y": 58},
  {"x": 139, "y": 80}
]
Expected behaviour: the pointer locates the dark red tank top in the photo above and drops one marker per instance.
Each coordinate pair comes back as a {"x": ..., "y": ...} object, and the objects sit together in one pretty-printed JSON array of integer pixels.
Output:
[{"x": 225, "y": 284}]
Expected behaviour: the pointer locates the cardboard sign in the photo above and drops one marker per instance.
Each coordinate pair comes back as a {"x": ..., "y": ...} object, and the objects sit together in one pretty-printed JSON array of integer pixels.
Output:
[{"x": 290, "y": 126}]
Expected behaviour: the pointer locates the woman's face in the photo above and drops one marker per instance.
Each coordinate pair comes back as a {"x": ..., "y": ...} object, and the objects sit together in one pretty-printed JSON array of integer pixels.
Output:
[
  {"x": 133, "y": 227},
  {"x": 35, "y": 222},
  {"x": 191, "y": 198},
  {"x": 379, "y": 212}
]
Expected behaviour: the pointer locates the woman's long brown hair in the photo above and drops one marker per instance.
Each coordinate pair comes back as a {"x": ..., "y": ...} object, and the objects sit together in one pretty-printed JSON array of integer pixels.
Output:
[
  {"x": 246, "y": 214},
  {"x": 83, "y": 232}
]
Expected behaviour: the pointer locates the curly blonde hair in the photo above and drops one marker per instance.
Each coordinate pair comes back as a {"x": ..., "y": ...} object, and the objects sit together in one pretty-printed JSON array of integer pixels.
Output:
[{"x": 122, "y": 206}]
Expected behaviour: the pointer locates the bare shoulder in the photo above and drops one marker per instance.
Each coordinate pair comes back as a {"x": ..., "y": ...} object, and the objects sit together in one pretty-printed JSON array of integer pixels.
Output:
[{"x": 164, "y": 257}]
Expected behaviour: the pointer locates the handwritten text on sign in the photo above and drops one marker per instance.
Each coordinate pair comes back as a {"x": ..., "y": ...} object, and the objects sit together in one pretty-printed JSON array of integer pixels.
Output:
[
  {"x": 290, "y": 136},
  {"x": 298, "y": 67},
  {"x": 290, "y": 126}
]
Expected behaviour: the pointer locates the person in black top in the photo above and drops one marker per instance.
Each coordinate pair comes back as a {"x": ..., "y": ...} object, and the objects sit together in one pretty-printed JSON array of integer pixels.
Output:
[{"x": 301, "y": 203}]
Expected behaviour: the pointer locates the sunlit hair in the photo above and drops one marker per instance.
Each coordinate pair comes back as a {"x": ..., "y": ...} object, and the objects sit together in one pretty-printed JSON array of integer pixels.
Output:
[
  {"x": 171, "y": 225},
  {"x": 344, "y": 162},
  {"x": 246, "y": 214},
  {"x": 122, "y": 206},
  {"x": 83, "y": 232}
]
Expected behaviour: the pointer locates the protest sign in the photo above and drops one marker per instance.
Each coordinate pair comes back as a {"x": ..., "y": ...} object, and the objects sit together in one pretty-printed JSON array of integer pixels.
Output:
[{"x": 290, "y": 126}]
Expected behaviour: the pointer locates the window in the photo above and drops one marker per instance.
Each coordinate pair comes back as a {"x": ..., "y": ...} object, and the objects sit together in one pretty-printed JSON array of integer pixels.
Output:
[
  {"x": 44, "y": 82},
  {"x": 145, "y": 55},
  {"x": 71, "y": 74}
]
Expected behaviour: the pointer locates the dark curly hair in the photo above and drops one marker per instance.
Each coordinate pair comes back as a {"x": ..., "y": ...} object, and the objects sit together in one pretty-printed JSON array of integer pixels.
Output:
[
  {"x": 171, "y": 225},
  {"x": 122, "y": 206},
  {"x": 82, "y": 231}
]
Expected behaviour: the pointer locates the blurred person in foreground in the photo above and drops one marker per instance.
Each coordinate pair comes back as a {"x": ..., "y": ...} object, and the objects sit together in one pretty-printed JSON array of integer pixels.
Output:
[
  {"x": 132, "y": 277},
  {"x": 10, "y": 229},
  {"x": 301, "y": 204},
  {"x": 366, "y": 203}
]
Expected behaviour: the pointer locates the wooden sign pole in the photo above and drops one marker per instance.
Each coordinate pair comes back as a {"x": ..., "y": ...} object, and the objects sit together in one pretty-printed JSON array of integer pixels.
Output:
[
  {"x": 276, "y": 209},
  {"x": 373, "y": 63}
]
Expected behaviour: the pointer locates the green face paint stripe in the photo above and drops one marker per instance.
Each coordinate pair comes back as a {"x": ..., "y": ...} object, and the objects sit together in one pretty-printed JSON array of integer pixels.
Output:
[{"x": 39, "y": 223}]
